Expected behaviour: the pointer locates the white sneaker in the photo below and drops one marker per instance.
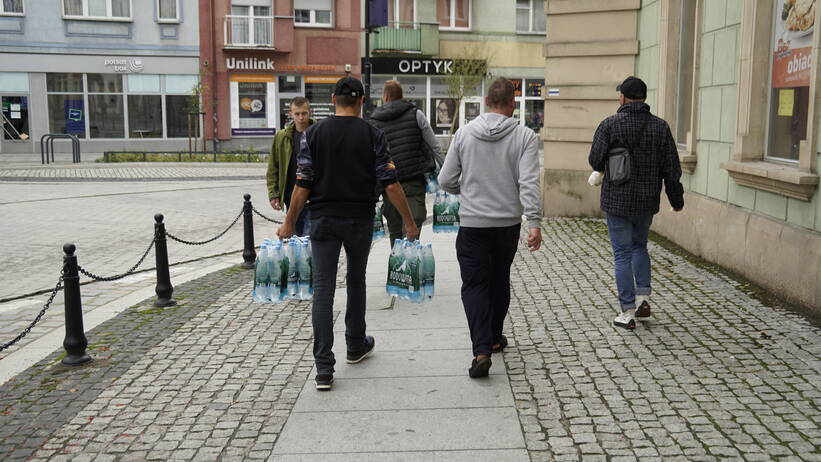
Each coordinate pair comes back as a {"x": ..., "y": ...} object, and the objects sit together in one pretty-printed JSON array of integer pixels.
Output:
[{"x": 626, "y": 320}]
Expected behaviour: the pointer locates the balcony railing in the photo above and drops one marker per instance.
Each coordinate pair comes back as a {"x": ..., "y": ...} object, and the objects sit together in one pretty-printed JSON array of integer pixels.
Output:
[
  {"x": 249, "y": 31},
  {"x": 398, "y": 36}
]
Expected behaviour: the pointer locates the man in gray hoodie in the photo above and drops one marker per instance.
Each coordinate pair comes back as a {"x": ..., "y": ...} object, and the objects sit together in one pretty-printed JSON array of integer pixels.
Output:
[{"x": 493, "y": 165}]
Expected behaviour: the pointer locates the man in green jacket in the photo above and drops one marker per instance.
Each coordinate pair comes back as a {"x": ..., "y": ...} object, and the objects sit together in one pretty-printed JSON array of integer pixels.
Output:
[{"x": 282, "y": 162}]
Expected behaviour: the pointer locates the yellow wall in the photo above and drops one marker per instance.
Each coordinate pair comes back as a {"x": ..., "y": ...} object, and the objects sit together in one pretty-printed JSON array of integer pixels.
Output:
[{"x": 501, "y": 54}]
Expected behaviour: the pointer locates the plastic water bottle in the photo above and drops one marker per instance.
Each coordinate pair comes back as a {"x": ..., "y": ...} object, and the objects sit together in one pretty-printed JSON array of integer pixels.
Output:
[
  {"x": 284, "y": 268},
  {"x": 261, "y": 288},
  {"x": 274, "y": 272},
  {"x": 304, "y": 267},
  {"x": 428, "y": 271},
  {"x": 410, "y": 267},
  {"x": 292, "y": 251},
  {"x": 394, "y": 262}
]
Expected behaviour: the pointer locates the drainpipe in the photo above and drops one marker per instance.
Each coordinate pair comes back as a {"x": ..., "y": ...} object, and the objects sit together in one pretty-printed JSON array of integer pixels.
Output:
[{"x": 214, "y": 117}]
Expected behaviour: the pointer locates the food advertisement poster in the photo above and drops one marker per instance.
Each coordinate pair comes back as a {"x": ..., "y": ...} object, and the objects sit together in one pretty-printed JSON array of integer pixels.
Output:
[{"x": 792, "y": 51}]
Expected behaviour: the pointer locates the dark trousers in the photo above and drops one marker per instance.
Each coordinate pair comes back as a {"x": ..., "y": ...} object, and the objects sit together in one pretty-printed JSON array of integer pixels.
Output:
[
  {"x": 328, "y": 236},
  {"x": 485, "y": 256},
  {"x": 415, "y": 192}
]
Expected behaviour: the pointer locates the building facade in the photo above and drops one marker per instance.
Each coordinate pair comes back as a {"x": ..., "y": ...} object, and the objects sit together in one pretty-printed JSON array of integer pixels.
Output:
[
  {"x": 118, "y": 74},
  {"x": 424, "y": 37},
  {"x": 737, "y": 83},
  {"x": 257, "y": 55}
]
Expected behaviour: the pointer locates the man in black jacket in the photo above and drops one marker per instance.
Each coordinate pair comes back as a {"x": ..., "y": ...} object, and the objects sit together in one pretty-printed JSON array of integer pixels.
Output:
[
  {"x": 630, "y": 206},
  {"x": 413, "y": 145},
  {"x": 341, "y": 160}
]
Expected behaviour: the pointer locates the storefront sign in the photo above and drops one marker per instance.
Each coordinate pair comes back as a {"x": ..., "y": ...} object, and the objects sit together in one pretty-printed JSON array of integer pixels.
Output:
[
  {"x": 250, "y": 64},
  {"x": 411, "y": 66},
  {"x": 792, "y": 51},
  {"x": 125, "y": 65}
]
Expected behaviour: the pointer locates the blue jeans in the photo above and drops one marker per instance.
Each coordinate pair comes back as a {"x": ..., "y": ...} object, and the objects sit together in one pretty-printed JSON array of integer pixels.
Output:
[{"x": 628, "y": 236}]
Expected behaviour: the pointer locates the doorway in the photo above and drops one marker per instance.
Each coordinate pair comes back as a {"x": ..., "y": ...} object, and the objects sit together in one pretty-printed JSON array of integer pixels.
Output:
[{"x": 15, "y": 123}]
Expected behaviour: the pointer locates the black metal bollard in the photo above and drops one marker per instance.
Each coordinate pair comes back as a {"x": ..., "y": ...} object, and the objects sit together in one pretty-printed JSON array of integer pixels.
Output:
[
  {"x": 249, "y": 255},
  {"x": 75, "y": 342},
  {"x": 164, "y": 288}
]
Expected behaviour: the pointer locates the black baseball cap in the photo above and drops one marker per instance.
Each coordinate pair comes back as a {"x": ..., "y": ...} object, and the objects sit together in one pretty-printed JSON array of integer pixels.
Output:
[
  {"x": 633, "y": 88},
  {"x": 349, "y": 86}
]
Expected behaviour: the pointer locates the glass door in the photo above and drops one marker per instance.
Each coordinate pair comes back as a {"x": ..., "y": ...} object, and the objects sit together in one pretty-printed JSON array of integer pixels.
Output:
[{"x": 15, "y": 119}]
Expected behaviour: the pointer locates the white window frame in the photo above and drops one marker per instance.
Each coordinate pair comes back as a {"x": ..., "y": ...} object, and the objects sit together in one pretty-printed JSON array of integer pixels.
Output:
[
  {"x": 107, "y": 17},
  {"x": 168, "y": 20},
  {"x": 530, "y": 18},
  {"x": 452, "y": 26},
  {"x": 312, "y": 22},
  {"x": 3, "y": 11},
  {"x": 395, "y": 18}
]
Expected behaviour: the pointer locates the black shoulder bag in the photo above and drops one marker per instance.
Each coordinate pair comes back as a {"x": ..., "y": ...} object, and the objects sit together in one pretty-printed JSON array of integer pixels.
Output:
[{"x": 618, "y": 159}]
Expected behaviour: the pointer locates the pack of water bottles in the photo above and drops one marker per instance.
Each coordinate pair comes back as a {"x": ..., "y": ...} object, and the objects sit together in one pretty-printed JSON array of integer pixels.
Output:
[
  {"x": 411, "y": 271},
  {"x": 445, "y": 213},
  {"x": 378, "y": 225},
  {"x": 284, "y": 271}
]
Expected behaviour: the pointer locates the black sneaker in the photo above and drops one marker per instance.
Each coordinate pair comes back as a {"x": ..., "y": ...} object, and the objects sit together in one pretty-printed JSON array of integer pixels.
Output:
[
  {"x": 357, "y": 356},
  {"x": 480, "y": 368},
  {"x": 643, "y": 312},
  {"x": 324, "y": 382}
]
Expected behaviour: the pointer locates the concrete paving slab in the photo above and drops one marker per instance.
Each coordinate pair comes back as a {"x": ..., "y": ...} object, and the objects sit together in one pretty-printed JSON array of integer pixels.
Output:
[
  {"x": 411, "y": 316},
  {"x": 484, "y": 455},
  {"x": 455, "y": 392},
  {"x": 447, "y": 338},
  {"x": 419, "y": 364},
  {"x": 407, "y": 430}
]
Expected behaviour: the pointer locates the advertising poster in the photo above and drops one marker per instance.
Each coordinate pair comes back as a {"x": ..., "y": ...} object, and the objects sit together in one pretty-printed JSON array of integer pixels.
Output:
[{"x": 792, "y": 54}]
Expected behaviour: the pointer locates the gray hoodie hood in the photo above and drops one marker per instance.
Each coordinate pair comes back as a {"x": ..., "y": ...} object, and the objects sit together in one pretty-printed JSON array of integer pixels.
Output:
[{"x": 491, "y": 126}]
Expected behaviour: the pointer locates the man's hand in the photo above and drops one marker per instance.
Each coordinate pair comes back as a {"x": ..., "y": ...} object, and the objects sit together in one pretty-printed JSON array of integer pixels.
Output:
[
  {"x": 286, "y": 230},
  {"x": 534, "y": 239},
  {"x": 275, "y": 204},
  {"x": 411, "y": 231}
]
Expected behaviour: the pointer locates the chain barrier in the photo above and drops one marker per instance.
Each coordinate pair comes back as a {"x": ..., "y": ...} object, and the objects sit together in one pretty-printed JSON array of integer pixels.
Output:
[
  {"x": 183, "y": 241},
  {"x": 119, "y": 276},
  {"x": 264, "y": 217},
  {"x": 39, "y": 315}
]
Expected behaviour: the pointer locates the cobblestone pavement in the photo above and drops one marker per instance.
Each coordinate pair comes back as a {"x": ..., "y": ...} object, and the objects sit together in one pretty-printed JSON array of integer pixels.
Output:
[
  {"x": 133, "y": 171},
  {"x": 215, "y": 376},
  {"x": 716, "y": 375}
]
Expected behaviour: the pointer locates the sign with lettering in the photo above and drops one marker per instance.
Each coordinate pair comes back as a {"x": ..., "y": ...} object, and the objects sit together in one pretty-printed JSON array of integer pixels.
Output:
[
  {"x": 125, "y": 65},
  {"x": 250, "y": 64},
  {"x": 411, "y": 66}
]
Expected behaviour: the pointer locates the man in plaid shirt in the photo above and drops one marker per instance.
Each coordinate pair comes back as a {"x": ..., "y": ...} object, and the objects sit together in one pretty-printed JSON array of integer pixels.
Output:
[{"x": 630, "y": 206}]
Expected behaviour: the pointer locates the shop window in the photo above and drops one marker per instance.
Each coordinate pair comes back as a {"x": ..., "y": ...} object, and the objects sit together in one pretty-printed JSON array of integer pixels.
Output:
[
  {"x": 11, "y": 7},
  {"x": 105, "y": 83},
  {"x": 180, "y": 83},
  {"x": 252, "y": 108},
  {"x": 168, "y": 10},
  {"x": 791, "y": 73},
  {"x": 313, "y": 13},
  {"x": 530, "y": 17},
  {"x": 529, "y": 103},
  {"x": 106, "y": 116},
  {"x": 64, "y": 83},
  {"x": 318, "y": 90},
  {"x": 290, "y": 84},
  {"x": 143, "y": 83},
  {"x": 14, "y": 82},
  {"x": 453, "y": 14},
  {"x": 145, "y": 116},
  {"x": 401, "y": 13},
  {"x": 176, "y": 117},
  {"x": 415, "y": 90},
  {"x": 97, "y": 9},
  {"x": 15, "y": 120}
]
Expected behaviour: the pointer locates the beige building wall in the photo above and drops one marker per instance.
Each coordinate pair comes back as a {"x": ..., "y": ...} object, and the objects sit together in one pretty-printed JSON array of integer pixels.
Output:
[{"x": 591, "y": 47}]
